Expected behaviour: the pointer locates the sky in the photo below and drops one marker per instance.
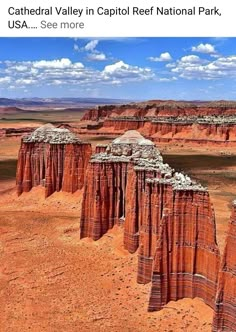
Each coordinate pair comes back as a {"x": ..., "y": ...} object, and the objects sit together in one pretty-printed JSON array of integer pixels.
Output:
[{"x": 126, "y": 68}]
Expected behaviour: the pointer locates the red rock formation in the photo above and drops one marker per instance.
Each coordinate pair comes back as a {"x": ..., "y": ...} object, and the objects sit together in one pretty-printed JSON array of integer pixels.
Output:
[
  {"x": 166, "y": 216},
  {"x": 212, "y": 123},
  {"x": 54, "y": 168},
  {"x": 100, "y": 148},
  {"x": 136, "y": 186},
  {"x": 124, "y": 124},
  {"x": 54, "y": 158},
  {"x": 103, "y": 203},
  {"x": 106, "y": 180},
  {"x": 161, "y": 109},
  {"x": 98, "y": 113},
  {"x": 225, "y": 310},
  {"x": 76, "y": 159},
  {"x": 186, "y": 261},
  {"x": 156, "y": 199},
  {"x": 30, "y": 167}
]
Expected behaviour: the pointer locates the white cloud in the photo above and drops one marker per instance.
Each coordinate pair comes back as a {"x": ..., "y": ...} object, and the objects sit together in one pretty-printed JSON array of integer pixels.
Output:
[
  {"x": 165, "y": 79},
  {"x": 92, "y": 53},
  {"x": 57, "y": 64},
  {"x": 170, "y": 65},
  {"x": 25, "y": 81},
  {"x": 116, "y": 66},
  {"x": 163, "y": 57},
  {"x": 204, "y": 48},
  {"x": 76, "y": 48},
  {"x": 190, "y": 59},
  {"x": 4, "y": 80},
  {"x": 193, "y": 68},
  {"x": 91, "y": 45},
  {"x": 122, "y": 71},
  {"x": 63, "y": 71},
  {"x": 97, "y": 57}
]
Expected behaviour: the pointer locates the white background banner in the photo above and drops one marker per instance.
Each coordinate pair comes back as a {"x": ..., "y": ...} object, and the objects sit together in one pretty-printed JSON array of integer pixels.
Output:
[{"x": 123, "y": 18}]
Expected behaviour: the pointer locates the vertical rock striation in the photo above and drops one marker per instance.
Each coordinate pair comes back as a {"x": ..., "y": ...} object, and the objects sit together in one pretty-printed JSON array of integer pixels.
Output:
[
  {"x": 76, "y": 159},
  {"x": 54, "y": 158},
  {"x": 186, "y": 260},
  {"x": 225, "y": 310},
  {"x": 104, "y": 202},
  {"x": 167, "y": 217}
]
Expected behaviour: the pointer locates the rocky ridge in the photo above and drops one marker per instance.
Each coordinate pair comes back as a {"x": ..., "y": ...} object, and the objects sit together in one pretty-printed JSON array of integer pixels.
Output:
[{"x": 170, "y": 121}]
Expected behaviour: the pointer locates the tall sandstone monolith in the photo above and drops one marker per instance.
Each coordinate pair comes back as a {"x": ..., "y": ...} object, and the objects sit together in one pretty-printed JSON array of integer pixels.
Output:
[
  {"x": 167, "y": 217},
  {"x": 54, "y": 158},
  {"x": 104, "y": 201},
  {"x": 186, "y": 259},
  {"x": 225, "y": 310}
]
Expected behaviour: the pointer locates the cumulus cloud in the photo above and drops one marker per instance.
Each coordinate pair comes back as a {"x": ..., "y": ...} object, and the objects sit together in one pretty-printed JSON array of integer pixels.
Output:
[
  {"x": 163, "y": 57},
  {"x": 92, "y": 53},
  {"x": 57, "y": 64},
  {"x": 204, "y": 48},
  {"x": 122, "y": 71},
  {"x": 190, "y": 59},
  {"x": 222, "y": 67},
  {"x": 91, "y": 45},
  {"x": 96, "y": 57},
  {"x": 65, "y": 72}
]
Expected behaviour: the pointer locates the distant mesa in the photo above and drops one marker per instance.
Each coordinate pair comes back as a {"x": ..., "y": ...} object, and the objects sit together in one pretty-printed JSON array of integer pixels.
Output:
[
  {"x": 54, "y": 158},
  {"x": 169, "y": 121}
]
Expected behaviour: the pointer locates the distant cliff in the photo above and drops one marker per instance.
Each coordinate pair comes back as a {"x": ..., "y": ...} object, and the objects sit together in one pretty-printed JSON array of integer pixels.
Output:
[{"x": 213, "y": 122}]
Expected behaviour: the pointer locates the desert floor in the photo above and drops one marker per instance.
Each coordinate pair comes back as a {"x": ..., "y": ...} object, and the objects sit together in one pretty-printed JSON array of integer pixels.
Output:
[{"x": 52, "y": 281}]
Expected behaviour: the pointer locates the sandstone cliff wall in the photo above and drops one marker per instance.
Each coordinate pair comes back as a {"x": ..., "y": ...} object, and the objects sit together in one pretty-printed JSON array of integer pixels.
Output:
[
  {"x": 213, "y": 123},
  {"x": 103, "y": 203},
  {"x": 186, "y": 261},
  {"x": 30, "y": 166},
  {"x": 53, "y": 158},
  {"x": 225, "y": 310},
  {"x": 76, "y": 159}
]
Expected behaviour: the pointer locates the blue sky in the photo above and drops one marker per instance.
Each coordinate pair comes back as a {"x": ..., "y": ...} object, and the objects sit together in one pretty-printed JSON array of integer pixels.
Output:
[{"x": 127, "y": 68}]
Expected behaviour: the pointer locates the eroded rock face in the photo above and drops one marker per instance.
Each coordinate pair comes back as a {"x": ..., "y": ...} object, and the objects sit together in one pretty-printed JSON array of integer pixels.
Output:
[
  {"x": 167, "y": 217},
  {"x": 170, "y": 121},
  {"x": 54, "y": 158},
  {"x": 224, "y": 316},
  {"x": 100, "y": 148},
  {"x": 106, "y": 180},
  {"x": 186, "y": 259}
]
